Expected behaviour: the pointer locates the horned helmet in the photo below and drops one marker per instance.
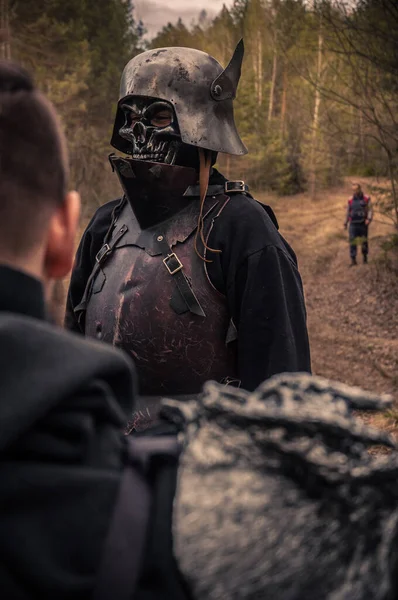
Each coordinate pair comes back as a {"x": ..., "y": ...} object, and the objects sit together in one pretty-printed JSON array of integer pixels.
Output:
[
  {"x": 174, "y": 100},
  {"x": 175, "y": 113}
]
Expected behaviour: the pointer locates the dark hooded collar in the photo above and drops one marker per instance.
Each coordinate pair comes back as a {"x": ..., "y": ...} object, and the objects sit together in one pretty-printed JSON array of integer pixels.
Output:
[
  {"x": 21, "y": 293},
  {"x": 216, "y": 178}
]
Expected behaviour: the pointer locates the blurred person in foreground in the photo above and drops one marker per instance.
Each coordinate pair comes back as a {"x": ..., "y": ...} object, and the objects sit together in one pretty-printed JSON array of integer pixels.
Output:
[
  {"x": 235, "y": 495},
  {"x": 63, "y": 400},
  {"x": 359, "y": 216},
  {"x": 187, "y": 272}
]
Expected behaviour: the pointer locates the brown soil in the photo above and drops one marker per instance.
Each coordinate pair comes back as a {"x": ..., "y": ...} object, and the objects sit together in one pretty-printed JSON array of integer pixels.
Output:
[{"x": 352, "y": 311}]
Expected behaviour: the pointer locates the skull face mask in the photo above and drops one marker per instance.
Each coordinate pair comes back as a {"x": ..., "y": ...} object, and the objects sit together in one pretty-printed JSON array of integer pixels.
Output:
[
  {"x": 175, "y": 113},
  {"x": 151, "y": 128}
]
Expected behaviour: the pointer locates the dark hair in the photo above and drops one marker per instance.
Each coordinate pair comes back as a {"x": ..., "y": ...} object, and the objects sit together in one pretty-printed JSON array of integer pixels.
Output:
[{"x": 33, "y": 171}]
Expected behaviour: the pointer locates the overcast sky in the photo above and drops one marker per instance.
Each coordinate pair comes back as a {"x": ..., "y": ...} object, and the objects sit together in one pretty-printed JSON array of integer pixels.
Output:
[{"x": 156, "y": 13}]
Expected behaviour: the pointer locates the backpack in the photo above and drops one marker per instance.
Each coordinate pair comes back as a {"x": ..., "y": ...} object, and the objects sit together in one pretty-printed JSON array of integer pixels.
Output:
[{"x": 358, "y": 208}]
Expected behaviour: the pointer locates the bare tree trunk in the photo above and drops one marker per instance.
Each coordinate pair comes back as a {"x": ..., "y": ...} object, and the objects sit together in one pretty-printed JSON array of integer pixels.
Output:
[
  {"x": 283, "y": 107},
  {"x": 5, "y": 34},
  {"x": 2, "y": 29},
  {"x": 352, "y": 145},
  {"x": 256, "y": 75},
  {"x": 315, "y": 120},
  {"x": 273, "y": 81},
  {"x": 259, "y": 68},
  {"x": 361, "y": 137}
]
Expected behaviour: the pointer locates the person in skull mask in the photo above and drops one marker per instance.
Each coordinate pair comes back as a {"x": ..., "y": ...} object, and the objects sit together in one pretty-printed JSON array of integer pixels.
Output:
[{"x": 187, "y": 272}]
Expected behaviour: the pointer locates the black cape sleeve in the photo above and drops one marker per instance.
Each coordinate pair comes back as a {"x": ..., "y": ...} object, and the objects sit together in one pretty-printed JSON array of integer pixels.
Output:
[
  {"x": 257, "y": 272},
  {"x": 90, "y": 244},
  {"x": 270, "y": 315}
]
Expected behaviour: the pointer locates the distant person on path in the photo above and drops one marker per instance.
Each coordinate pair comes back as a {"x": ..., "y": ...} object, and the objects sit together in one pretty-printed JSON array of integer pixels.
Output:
[{"x": 359, "y": 216}]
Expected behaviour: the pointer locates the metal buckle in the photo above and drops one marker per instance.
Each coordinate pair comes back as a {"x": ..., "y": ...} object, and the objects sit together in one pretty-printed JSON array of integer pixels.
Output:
[
  {"x": 174, "y": 271},
  {"x": 105, "y": 250},
  {"x": 235, "y": 186}
]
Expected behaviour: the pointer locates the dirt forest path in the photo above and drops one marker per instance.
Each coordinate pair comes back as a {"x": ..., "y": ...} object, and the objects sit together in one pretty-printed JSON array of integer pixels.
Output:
[{"x": 352, "y": 315}]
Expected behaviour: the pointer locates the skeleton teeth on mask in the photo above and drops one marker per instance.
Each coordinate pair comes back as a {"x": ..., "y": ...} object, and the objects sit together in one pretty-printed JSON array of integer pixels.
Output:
[
  {"x": 171, "y": 154},
  {"x": 155, "y": 156},
  {"x": 148, "y": 142},
  {"x": 150, "y": 146},
  {"x": 158, "y": 152}
]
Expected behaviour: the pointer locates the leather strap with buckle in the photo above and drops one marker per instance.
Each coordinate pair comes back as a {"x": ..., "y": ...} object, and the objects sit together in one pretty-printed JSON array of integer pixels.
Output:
[
  {"x": 103, "y": 253},
  {"x": 172, "y": 263},
  {"x": 232, "y": 187},
  {"x": 186, "y": 299},
  {"x": 100, "y": 258}
]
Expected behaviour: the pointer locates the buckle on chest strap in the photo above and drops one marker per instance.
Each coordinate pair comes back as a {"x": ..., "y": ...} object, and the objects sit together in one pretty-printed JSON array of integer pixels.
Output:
[
  {"x": 105, "y": 250},
  {"x": 235, "y": 186},
  {"x": 172, "y": 263}
]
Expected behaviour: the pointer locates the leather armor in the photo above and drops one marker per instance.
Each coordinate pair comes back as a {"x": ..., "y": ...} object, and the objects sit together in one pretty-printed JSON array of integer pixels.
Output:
[{"x": 134, "y": 302}]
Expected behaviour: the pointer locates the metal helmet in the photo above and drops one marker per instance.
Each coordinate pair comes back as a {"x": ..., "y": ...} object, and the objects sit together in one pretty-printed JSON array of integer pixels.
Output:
[{"x": 199, "y": 89}]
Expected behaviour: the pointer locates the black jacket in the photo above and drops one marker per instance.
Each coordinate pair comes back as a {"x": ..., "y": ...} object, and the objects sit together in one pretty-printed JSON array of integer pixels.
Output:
[
  {"x": 64, "y": 403},
  {"x": 257, "y": 271}
]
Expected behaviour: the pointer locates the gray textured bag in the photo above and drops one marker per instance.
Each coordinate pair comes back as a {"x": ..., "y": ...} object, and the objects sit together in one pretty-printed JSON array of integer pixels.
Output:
[{"x": 278, "y": 497}]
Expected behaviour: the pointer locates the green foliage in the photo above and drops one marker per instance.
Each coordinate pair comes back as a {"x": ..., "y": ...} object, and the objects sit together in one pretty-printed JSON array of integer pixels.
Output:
[
  {"x": 280, "y": 45},
  {"x": 363, "y": 41},
  {"x": 272, "y": 165},
  {"x": 76, "y": 51},
  {"x": 317, "y": 98},
  {"x": 387, "y": 266},
  {"x": 391, "y": 243}
]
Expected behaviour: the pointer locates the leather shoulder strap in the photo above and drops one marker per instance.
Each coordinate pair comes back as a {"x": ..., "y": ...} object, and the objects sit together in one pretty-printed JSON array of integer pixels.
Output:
[
  {"x": 175, "y": 269},
  {"x": 124, "y": 549},
  {"x": 100, "y": 258}
]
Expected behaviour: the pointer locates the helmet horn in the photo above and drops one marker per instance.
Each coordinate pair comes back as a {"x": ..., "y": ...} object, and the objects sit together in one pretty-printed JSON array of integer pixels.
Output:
[{"x": 225, "y": 85}]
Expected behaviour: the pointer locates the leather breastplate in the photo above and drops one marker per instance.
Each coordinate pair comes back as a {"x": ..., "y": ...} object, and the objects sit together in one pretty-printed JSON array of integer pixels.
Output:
[{"x": 129, "y": 305}]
